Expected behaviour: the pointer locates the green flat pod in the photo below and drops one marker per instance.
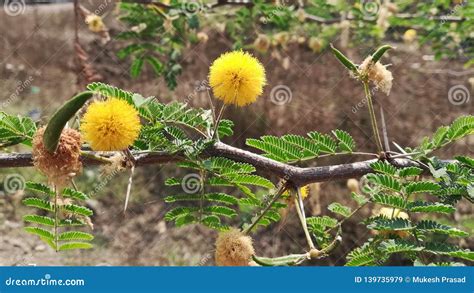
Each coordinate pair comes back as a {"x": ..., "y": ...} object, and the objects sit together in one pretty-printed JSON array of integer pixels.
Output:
[
  {"x": 379, "y": 52},
  {"x": 344, "y": 60},
  {"x": 60, "y": 118},
  {"x": 287, "y": 260}
]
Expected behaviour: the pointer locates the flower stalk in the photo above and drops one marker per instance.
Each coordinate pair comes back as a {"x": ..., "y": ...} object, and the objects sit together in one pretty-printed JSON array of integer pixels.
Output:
[
  {"x": 302, "y": 217},
  {"x": 215, "y": 133},
  {"x": 278, "y": 194},
  {"x": 373, "y": 119},
  {"x": 56, "y": 218}
]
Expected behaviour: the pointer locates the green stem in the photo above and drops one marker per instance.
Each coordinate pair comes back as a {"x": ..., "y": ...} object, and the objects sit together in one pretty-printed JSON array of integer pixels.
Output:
[
  {"x": 215, "y": 134},
  {"x": 339, "y": 224},
  {"x": 373, "y": 119},
  {"x": 302, "y": 216},
  {"x": 56, "y": 218},
  {"x": 279, "y": 192},
  {"x": 202, "y": 180},
  {"x": 213, "y": 109}
]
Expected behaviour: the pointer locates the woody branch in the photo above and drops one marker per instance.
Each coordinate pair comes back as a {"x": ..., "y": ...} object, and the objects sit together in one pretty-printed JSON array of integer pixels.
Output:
[{"x": 296, "y": 175}]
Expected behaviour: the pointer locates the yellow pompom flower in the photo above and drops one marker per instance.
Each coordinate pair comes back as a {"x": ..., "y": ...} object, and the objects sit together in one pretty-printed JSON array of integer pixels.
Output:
[
  {"x": 409, "y": 36},
  {"x": 110, "y": 125},
  {"x": 95, "y": 23},
  {"x": 392, "y": 213},
  {"x": 237, "y": 78},
  {"x": 304, "y": 191}
]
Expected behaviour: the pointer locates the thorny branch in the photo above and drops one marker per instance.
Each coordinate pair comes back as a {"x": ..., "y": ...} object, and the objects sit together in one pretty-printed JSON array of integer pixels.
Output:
[{"x": 295, "y": 175}]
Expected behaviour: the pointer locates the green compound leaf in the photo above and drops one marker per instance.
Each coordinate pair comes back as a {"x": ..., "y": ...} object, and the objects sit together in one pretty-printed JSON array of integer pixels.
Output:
[
  {"x": 397, "y": 245},
  {"x": 382, "y": 223},
  {"x": 346, "y": 142},
  {"x": 38, "y": 203},
  {"x": 225, "y": 128},
  {"x": 449, "y": 250},
  {"x": 430, "y": 207},
  {"x": 321, "y": 223},
  {"x": 78, "y": 210},
  {"x": 38, "y": 187},
  {"x": 340, "y": 209},
  {"x": 40, "y": 220},
  {"x": 247, "y": 179},
  {"x": 42, "y": 233},
  {"x": 179, "y": 211},
  {"x": 432, "y": 226},
  {"x": 75, "y": 245},
  {"x": 362, "y": 256},
  {"x": 221, "y": 211},
  {"x": 71, "y": 193},
  {"x": 409, "y": 171},
  {"x": 75, "y": 235},
  {"x": 384, "y": 168},
  {"x": 110, "y": 91},
  {"x": 421, "y": 187},
  {"x": 393, "y": 201},
  {"x": 385, "y": 181},
  {"x": 15, "y": 130},
  {"x": 324, "y": 142},
  {"x": 213, "y": 197}
]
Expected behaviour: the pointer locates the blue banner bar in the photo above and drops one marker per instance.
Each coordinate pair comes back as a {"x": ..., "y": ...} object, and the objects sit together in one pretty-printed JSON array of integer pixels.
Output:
[{"x": 249, "y": 279}]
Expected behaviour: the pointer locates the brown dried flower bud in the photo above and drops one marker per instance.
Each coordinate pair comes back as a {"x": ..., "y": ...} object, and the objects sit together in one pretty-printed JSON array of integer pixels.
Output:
[
  {"x": 64, "y": 162},
  {"x": 378, "y": 74},
  {"x": 233, "y": 248}
]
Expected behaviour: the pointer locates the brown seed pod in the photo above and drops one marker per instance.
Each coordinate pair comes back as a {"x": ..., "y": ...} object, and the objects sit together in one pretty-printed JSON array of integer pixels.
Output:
[
  {"x": 64, "y": 163},
  {"x": 233, "y": 248}
]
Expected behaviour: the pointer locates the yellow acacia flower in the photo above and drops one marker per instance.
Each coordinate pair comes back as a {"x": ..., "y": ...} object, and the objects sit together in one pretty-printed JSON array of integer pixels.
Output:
[
  {"x": 95, "y": 23},
  {"x": 409, "y": 36},
  {"x": 353, "y": 185},
  {"x": 110, "y": 125},
  {"x": 303, "y": 190},
  {"x": 392, "y": 213},
  {"x": 202, "y": 37},
  {"x": 237, "y": 78},
  {"x": 315, "y": 44}
]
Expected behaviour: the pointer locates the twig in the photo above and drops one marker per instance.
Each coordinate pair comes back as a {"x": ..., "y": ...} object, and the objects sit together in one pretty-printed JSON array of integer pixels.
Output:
[
  {"x": 348, "y": 217},
  {"x": 279, "y": 192}
]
